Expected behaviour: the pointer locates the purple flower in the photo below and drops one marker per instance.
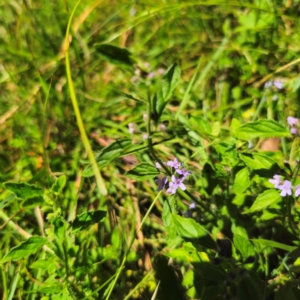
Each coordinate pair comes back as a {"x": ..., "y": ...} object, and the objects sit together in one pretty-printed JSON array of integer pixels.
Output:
[
  {"x": 286, "y": 188},
  {"x": 161, "y": 183},
  {"x": 175, "y": 184},
  {"x": 294, "y": 131},
  {"x": 183, "y": 172},
  {"x": 192, "y": 205},
  {"x": 275, "y": 181},
  {"x": 278, "y": 84},
  {"x": 131, "y": 128},
  {"x": 292, "y": 121},
  {"x": 297, "y": 190},
  {"x": 174, "y": 164}
]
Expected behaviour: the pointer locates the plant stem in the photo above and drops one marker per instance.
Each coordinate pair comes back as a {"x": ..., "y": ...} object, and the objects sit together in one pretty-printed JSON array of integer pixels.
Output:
[{"x": 130, "y": 245}]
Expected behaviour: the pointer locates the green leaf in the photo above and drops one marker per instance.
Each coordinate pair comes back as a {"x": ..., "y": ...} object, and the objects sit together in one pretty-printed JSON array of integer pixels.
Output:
[
  {"x": 7, "y": 200},
  {"x": 59, "y": 184},
  {"x": 167, "y": 275},
  {"x": 273, "y": 244},
  {"x": 261, "y": 128},
  {"x": 24, "y": 190},
  {"x": 264, "y": 200},
  {"x": 48, "y": 264},
  {"x": 187, "y": 227},
  {"x": 115, "y": 55},
  {"x": 257, "y": 161},
  {"x": 244, "y": 246},
  {"x": 86, "y": 219},
  {"x": 142, "y": 172},
  {"x": 108, "y": 154},
  {"x": 208, "y": 271},
  {"x": 170, "y": 81},
  {"x": 200, "y": 125},
  {"x": 26, "y": 248},
  {"x": 241, "y": 181},
  {"x": 33, "y": 202},
  {"x": 249, "y": 290}
]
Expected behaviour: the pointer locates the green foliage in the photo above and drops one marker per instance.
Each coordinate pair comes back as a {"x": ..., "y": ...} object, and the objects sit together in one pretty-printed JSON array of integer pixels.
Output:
[
  {"x": 26, "y": 248},
  {"x": 208, "y": 83},
  {"x": 87, "y": 219},
  {"x": 142, "y": 172}
]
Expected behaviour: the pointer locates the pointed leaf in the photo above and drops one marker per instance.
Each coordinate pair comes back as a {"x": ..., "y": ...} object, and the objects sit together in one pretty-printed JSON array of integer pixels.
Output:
[
  {"x": 87, "y": 219},
  {"x": 261, "y": 128},
  {"x": 264, "y": 200},
  {"x": 257, "y": 161},
  {"x": 24, "y": 190},
  {"x": 30, "y": 246},
  {"x": 241, "y": 181},
  {"x": 115, "y": 55},
  {"x": 142, "y": 172},
  {"x": 273, "y": 244}
]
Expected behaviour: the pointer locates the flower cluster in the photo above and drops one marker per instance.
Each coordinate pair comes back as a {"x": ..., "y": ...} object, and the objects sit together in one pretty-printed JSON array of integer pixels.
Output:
[
  {"x": 285, "y": 186},
  {"x": 294, "y": 124},
  {"x": 278, "y": 84},
  {"x": 176, "y": 180}
]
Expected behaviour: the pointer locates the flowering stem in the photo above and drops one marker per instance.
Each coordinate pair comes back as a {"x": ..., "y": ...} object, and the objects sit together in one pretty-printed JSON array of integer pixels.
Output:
[{"x": 150, "y": 145}]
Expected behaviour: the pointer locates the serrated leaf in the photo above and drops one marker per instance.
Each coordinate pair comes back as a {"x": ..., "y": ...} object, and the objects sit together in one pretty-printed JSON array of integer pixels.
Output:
[
  {"x": 241, "y": 181},
  {"x": 115, "y": 55},
  {"x": 87, "y": 219},
  {"x": 264, "y": 200},
  {"x": 24, "y": 190},
  {"x": 273, "y": 244},
  {"x": 142, "y": 172},
  {"x": 257, "y": 161},
  {"x": 26, "y": 248},
  {"x": 59, "y": 184},
  {"x": 108, "y": 154},
  {"x": 261, "y": 128},
  {"x": 32, "y": 202},
  {"x": 170, "y": 81}
]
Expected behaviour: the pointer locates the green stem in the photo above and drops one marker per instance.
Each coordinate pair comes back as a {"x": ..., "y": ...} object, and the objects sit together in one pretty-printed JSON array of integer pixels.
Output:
[
  {"x": 99, "y": 179},
  {"x": 130, "y": 245}
]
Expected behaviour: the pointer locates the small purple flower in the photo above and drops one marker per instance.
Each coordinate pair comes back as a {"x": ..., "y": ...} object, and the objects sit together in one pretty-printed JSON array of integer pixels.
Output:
[
  {"x": 131, "y": 128},
  {"x": 278, "y": 84},
  {"x": 174, "y": 164},
  {"x": 292, "y": 121},
  {"x": 192, "y": 205},
  {"x": 157, "y": 165},
  {"x": 294, "y": 131},
  {"x": 175, "y": 184},
  {"x": 161, "y": 183},
  {"x": 275, "y": 181},
  {"x": 183, "y": 172},
  {"x": 297, "y": 190},
  {"x": 286, "y": 188},
  {"x": 145, "y": 136}
]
